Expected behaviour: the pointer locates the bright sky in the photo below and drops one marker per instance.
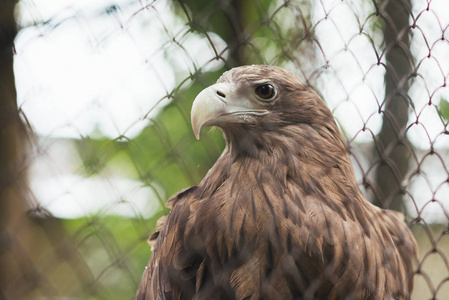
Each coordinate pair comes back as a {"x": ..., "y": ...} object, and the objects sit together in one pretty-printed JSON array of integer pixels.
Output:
[{"x": 84, "y": 72}]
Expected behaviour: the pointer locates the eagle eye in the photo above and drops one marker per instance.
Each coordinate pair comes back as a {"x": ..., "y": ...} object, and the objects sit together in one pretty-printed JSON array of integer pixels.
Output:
[{"x": 265, "y": 91}]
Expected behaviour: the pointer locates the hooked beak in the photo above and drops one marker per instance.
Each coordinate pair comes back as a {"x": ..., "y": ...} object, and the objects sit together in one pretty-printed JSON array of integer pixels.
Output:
[{"x": 218, "y": 105}]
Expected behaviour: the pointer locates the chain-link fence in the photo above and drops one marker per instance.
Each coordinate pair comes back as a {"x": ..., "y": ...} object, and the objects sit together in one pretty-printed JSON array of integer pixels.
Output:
[{"x": 100, "y": 137}]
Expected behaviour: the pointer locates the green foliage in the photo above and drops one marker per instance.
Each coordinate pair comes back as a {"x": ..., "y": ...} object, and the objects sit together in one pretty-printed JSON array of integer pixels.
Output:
[
  {"x": 95, "y": 153},
  {"x": 115, "y": 250},
  {"x": 166, "y": 151},
  {"x": 253, "y": 35},
  {"x": 444, "y": 109},
  {"x": 206, "y": 15}
]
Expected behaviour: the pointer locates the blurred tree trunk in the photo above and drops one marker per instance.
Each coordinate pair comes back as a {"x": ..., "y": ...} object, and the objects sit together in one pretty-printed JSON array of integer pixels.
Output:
[
  {"x": 26, "y": 241},
  {"x": 225, "y": 18},
  {"x": 13, "y": 260},
  {"x": 392, "y": 144},
  {"x": 236, "y": 37}
]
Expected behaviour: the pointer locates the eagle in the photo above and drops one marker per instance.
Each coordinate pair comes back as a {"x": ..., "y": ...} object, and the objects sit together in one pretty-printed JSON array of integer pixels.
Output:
[{"x": 280, "y": 214}]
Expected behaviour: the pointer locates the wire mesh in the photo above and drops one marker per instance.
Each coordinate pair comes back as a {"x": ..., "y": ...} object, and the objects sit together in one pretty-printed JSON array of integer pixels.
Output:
[{"x": 104, "y": 91}]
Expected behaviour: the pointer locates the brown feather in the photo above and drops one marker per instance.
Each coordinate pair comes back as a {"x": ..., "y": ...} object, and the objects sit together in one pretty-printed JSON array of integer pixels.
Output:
[{"x": 280, "y": 215}]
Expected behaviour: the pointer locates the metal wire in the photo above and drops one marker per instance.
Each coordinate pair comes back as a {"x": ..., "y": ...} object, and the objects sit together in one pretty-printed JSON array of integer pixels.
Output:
[{"x": 381, "y": 66}]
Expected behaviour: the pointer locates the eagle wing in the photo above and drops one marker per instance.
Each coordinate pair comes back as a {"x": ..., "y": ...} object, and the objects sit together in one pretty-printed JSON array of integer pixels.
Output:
[
  {"x": 269, "y": 247},
  {"x": 166, "y": 249}
]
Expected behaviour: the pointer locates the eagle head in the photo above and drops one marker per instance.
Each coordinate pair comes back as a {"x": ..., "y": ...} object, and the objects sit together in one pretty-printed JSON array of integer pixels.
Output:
[{"x": 258, "y": 98}]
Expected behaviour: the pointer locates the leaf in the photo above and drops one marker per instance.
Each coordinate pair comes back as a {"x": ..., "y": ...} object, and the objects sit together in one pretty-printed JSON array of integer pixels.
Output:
[{"x": 444, "y": 109}]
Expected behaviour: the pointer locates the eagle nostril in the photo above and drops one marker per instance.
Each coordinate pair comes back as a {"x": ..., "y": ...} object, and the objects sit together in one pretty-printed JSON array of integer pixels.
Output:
[{"x": 221, "y": 94}]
